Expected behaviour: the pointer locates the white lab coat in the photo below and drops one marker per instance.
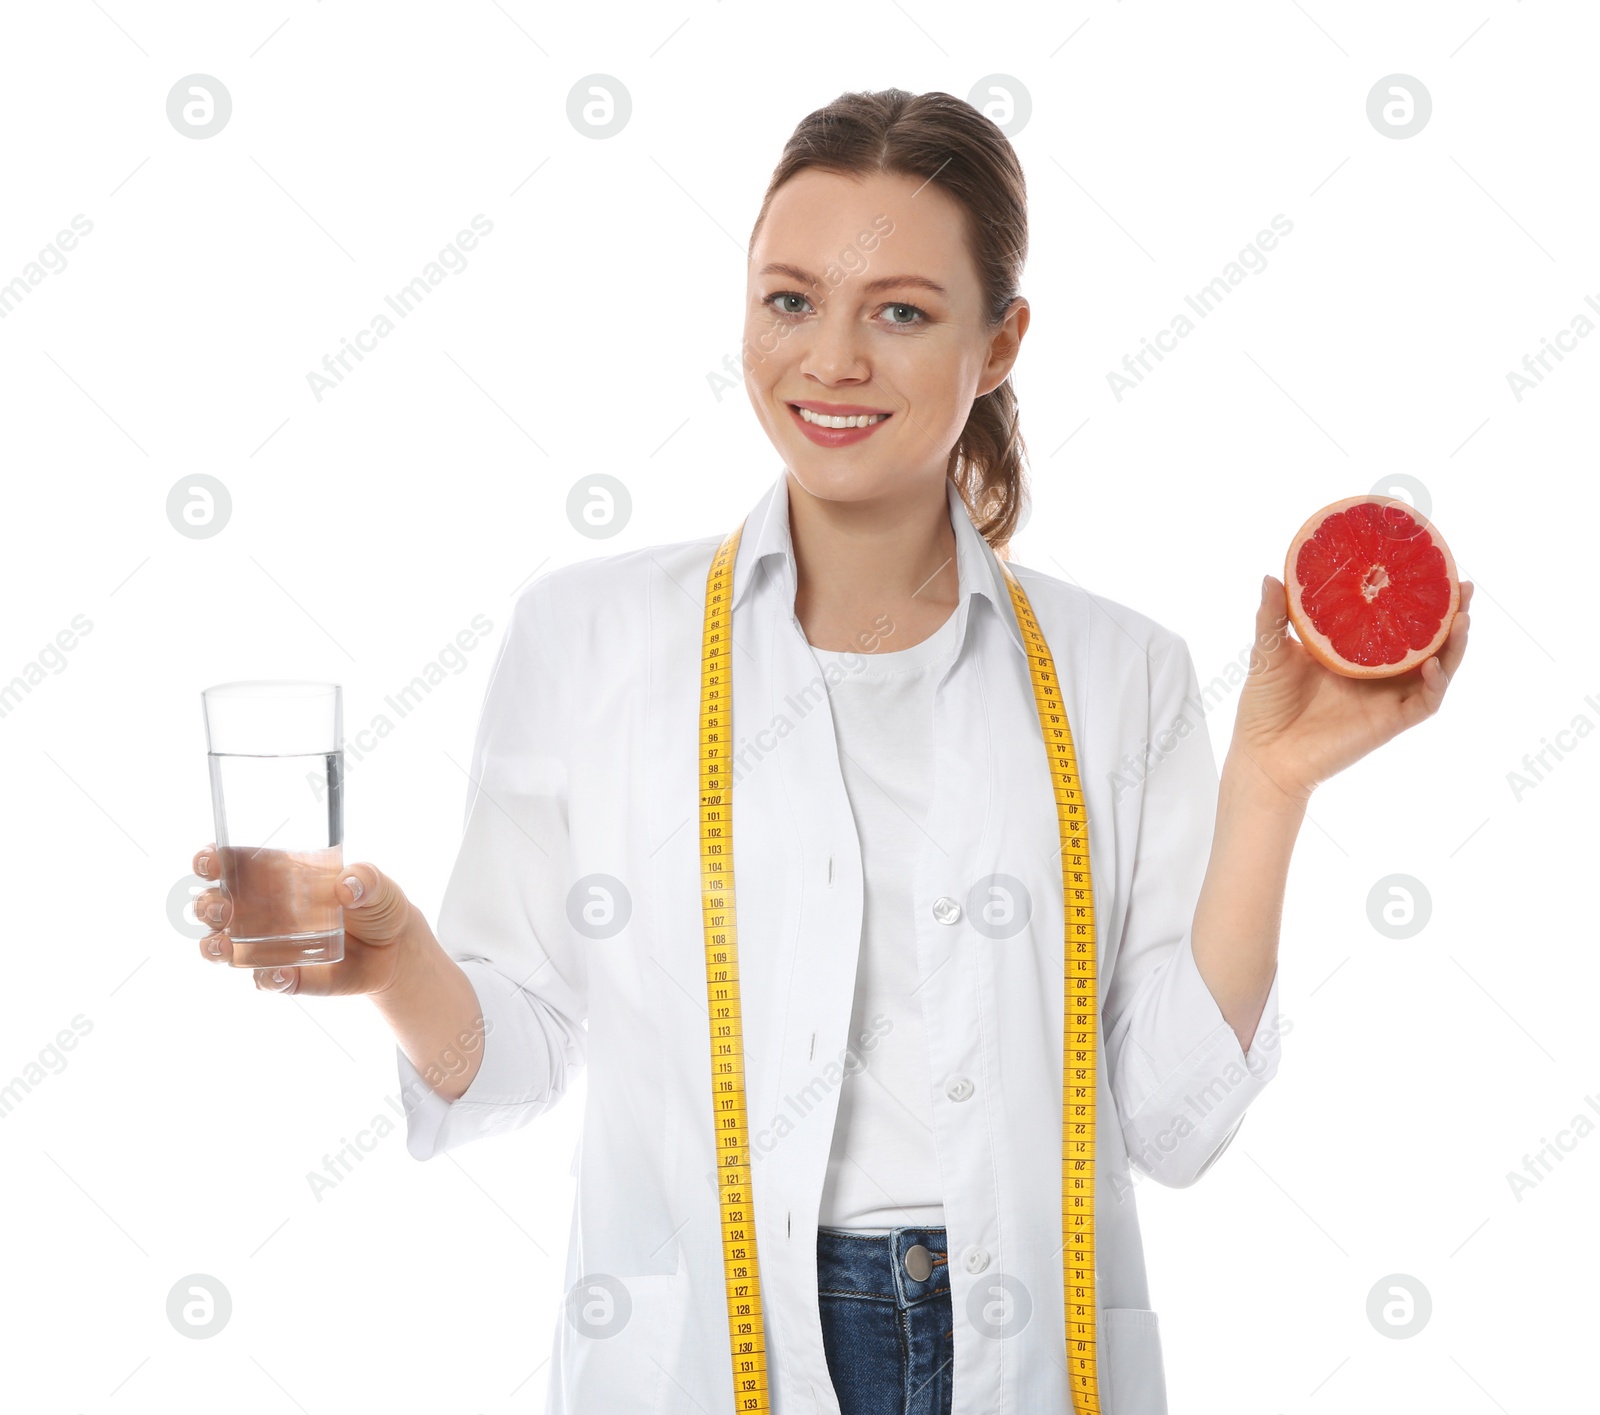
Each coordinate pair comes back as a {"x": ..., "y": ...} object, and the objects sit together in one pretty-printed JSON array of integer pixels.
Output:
[{"x": 585, "y": 777}]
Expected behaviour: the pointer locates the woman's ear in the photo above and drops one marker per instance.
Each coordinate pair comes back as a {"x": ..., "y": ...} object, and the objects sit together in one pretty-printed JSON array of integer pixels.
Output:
[{"x": 1004, "y": 346}]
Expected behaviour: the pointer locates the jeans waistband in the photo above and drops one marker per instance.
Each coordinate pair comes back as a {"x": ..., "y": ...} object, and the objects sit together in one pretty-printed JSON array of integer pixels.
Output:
[{"x": 874, "y": 1264}]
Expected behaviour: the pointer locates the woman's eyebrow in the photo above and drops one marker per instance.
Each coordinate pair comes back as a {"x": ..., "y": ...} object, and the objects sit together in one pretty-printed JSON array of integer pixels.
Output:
[{"x": 883, "y": 282}]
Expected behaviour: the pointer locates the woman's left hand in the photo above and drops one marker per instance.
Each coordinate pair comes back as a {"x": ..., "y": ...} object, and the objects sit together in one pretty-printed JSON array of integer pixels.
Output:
[{"x": 1301, "y": 723}]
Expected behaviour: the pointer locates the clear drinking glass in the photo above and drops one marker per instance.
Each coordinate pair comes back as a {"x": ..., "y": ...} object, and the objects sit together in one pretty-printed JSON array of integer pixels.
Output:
[{"x": 277, "y": 796}]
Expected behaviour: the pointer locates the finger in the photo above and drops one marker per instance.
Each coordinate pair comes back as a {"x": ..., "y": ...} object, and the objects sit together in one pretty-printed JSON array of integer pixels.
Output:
[
  {"x": 1272, "y": 633},
  {"x": 377, "y": 909},
  {"x": 1455, "y": 643},
  {"x": 361, "y": 970},
  {"x": 217, "y": 948},
  {"x": 1437, "y": 670},
  {"x": 284, "y": 980},
  {"x": 1433, "y": 680},
  {"x": 212, "y": 908}
]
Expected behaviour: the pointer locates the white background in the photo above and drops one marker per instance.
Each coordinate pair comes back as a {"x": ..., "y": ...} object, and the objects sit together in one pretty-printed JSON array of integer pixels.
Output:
[{"x": 368, "y": 528}]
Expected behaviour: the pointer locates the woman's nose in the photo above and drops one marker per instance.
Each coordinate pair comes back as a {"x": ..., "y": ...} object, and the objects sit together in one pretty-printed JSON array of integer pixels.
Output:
[{"x": 834, "y": 355}]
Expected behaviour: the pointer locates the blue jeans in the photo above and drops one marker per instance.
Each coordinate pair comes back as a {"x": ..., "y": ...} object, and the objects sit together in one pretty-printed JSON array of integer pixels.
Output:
[{"x": 889, "y": 1335}]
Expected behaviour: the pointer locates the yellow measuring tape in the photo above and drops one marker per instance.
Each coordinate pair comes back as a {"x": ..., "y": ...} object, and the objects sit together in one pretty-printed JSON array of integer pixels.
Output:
[{"x": 1080, "y": 1009}]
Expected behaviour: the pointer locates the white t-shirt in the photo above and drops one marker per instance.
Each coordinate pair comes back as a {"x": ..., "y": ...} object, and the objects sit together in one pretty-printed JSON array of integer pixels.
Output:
[{"x": 883, "y": 1170}]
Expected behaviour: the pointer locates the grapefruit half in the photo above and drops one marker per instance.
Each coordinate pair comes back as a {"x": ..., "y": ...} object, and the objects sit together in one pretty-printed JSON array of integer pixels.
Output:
[{"x": 1371, "y": 586}]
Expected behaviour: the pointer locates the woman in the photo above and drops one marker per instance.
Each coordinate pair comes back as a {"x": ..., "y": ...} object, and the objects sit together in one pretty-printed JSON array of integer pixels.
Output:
[{"x": 899, "y": 862}]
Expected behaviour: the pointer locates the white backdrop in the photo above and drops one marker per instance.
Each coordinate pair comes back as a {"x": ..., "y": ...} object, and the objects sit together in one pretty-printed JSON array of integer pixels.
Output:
[{"x": 170, "y": 336}]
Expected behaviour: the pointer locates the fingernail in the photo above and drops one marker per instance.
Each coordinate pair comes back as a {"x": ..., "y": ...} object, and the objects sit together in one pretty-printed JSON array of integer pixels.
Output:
[
  {"x": 214, "y": 948},
  {"x": 214, "y": 911},
  {"x": 279, "y": 976},
  {"x": 1266, "y": 587},
  {"x": 353, "y": 884}
]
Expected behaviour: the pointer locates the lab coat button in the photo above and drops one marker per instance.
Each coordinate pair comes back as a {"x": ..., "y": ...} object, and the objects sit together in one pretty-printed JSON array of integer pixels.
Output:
[
  {"x": 959, "y": 1088},
  {"x": 946, "y": 910},
  {"x": 977, "y": 1259}
]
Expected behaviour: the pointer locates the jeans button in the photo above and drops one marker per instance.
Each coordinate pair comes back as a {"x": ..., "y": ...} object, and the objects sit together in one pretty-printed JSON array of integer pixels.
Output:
[{"x": 919, "y": 1262}]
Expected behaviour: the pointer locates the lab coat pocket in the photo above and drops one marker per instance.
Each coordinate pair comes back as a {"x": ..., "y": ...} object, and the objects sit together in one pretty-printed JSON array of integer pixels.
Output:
[
  {"x": 617, "y": 1362},
  {"x": 1132, "y": 1380}
]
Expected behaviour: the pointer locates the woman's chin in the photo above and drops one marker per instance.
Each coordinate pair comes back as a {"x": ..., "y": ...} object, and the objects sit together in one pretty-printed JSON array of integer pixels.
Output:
[{"x": 829, "y": 477}]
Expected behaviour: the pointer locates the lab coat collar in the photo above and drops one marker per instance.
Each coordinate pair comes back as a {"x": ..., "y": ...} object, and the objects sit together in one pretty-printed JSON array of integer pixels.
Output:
[{"x": 978, "y": 571}]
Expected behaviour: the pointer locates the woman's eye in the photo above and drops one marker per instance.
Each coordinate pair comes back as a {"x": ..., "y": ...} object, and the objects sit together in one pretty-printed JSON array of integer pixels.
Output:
[
  {"x": 908, "y": 310},
  {"x": 775, "y": 302}
]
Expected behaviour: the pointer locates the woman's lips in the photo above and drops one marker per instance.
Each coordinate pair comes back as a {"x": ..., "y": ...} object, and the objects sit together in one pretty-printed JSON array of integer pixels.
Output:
[{"x": 835, "y": 436}]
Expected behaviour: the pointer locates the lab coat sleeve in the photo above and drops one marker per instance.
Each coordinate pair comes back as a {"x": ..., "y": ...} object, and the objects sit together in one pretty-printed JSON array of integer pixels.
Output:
[
  {"x": 504, "y": 912},
  {"x": 1179, "y": 1079}
]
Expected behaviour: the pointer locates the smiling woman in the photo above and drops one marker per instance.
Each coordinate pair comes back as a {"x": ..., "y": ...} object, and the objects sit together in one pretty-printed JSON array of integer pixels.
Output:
[
  {"x": 928, "y": 855},
  {"x": 930, "y": 323}
]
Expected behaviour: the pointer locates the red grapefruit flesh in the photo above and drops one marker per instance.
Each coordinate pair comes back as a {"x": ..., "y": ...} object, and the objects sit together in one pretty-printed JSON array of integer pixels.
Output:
[{"x": 1371, "y": 586}]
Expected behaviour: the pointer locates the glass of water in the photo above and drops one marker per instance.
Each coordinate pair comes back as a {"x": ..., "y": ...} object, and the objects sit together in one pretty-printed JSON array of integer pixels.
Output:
[{"x": 277, "y": 796}]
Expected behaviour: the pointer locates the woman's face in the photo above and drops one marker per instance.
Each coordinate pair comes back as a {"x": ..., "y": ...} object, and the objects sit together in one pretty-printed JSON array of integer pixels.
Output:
[{"x": 863, "y": 298}]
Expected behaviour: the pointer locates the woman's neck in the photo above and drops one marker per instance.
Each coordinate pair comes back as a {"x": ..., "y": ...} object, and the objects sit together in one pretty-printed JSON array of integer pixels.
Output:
[{"x": 873, "y": 576}]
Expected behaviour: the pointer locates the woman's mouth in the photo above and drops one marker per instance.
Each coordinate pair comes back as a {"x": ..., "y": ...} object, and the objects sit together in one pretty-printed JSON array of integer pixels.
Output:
[{"x": 836, "y": 430}]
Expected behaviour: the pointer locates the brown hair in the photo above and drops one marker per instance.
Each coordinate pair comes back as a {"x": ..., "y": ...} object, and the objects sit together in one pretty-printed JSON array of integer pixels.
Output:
[{"x": 941, "y": 139}]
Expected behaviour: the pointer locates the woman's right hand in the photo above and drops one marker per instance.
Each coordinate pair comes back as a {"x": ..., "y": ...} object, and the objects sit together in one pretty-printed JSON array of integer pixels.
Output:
[{"x": 381, "y": 930}]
